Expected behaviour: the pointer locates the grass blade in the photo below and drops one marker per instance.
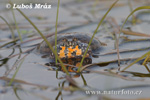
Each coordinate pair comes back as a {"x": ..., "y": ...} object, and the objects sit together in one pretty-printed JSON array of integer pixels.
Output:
[
  {"x": 12, "y": 79},
  {"x": 15, "y": 92},
  {"x": 50, "y": 46},
  {"x": 139, "y": 8},
  {"x": 127, "y": 32},
  {"x": 56, "y": 29},
  {"x": 95, "y": 33},
  {"x": 12, "y": 32},
  {"x": 131, "y": 9},
  {"x": 143, "y": 56},
  {"x": 16, "y": 24}
]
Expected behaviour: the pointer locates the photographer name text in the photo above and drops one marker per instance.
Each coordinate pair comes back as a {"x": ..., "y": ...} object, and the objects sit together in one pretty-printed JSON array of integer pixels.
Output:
[{"x": 29, "y": 6}]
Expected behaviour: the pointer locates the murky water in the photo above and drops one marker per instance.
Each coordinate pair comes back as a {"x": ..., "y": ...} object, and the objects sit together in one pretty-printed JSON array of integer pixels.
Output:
[{"x": 35, "y": 81}]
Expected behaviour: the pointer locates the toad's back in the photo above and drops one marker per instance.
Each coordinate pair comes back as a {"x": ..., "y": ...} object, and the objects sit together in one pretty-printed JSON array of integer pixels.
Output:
[{"x": 69, "y": 45}]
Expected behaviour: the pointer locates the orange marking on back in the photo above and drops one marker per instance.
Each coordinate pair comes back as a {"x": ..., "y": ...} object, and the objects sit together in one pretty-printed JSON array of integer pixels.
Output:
[
  {"x": 79, "y": 51},
  {"x": 78, "y": 64},
  {"x": 62, "y": 53},
  {"x": 70, "y": 50}
]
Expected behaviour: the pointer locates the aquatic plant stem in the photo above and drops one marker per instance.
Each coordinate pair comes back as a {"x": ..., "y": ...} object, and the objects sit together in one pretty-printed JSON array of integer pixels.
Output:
[
  {"x": 143, "y": 56},
  {"x": 133, "y": 16},
  {"x": 56, "y": 29},
  {"x": 16, "y": 24},
  {"x": 12, "y": 79},
  {"x": 12, "y": 32},
  {"x": 139, "y": 8},
  {"x": 50, "y": 46},
  {"x": 95, "y": 33}
]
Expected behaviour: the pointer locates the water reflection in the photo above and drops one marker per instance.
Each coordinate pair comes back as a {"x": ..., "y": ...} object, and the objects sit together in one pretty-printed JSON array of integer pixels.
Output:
[
  {"x": 137, "y": 74},
  {"x": 71, "y": 64},
  {"x": 59, "y": 95},
  {"x": 5, "y": 60},
  {"x": 68, "y": 85}
]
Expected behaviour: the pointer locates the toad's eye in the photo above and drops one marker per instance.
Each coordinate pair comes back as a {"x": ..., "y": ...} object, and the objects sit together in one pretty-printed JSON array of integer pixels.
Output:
[
  {"x": 69, "y": 43},
  {"x": 74, "y": 39},
  {"x": 73, "y": 43},
  {"x": 64, "y": 40}
]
